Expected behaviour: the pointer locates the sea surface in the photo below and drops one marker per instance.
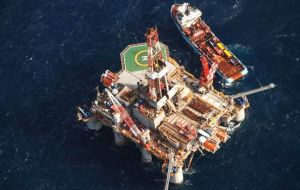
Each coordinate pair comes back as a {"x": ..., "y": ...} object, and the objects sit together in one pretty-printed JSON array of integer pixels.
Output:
[{"x": 52, "y": 54}]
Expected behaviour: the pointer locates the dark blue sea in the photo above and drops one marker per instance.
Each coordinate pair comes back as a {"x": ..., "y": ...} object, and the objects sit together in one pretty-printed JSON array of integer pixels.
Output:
[{"x": 53, "y": 52}]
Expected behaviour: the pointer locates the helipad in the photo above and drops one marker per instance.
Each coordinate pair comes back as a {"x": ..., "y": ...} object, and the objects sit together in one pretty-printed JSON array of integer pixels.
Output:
[{"x": 135, "y": 57}]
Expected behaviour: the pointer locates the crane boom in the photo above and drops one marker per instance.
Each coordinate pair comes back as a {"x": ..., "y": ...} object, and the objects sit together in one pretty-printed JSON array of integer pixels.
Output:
[
  {"x": 170, "y": 165},
  {"x": 124, "y": 114},
  {"x": 268, "y": 87}
]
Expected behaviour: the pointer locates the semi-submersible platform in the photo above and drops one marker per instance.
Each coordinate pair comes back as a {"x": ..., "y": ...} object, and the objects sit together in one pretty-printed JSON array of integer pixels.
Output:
[{"x": 162, "y": 108}]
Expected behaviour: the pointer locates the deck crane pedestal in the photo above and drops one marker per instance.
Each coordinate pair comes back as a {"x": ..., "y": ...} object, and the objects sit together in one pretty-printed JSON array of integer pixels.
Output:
[{"x": 207, "y": 74}]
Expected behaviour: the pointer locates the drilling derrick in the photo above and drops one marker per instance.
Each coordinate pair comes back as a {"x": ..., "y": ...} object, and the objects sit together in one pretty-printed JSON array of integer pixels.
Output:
[{"x": 155, "y": 64}]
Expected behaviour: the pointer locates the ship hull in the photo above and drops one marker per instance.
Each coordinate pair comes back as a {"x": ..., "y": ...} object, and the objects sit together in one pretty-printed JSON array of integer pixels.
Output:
[{"x": 198, "y": 51}]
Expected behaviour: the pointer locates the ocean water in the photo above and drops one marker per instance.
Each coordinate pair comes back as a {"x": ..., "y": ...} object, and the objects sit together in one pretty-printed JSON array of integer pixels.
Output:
[{"x": 53, "y": 52}]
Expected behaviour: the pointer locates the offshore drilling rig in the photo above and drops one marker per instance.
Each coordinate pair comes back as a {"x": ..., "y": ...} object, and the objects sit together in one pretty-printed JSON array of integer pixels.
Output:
[{"x": 158, "y": 105}]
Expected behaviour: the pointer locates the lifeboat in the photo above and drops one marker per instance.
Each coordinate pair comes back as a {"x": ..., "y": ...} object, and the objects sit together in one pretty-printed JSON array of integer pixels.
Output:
[
  {"x": 110, "y": 75},
  {"x": 208, "y": 145},
  {"x": 222, "y": 135},
  {"x": 108, "y": 78},
  {"x": 106, "y": 81}
]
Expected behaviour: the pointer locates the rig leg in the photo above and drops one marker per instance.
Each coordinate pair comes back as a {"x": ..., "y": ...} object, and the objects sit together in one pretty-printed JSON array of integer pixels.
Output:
[
  {"x": 190, "y": 161},
  {"x": 177, "y": 178},
  {"x": 94, "y": 125},
  {"x": 146, "y": 156},
  {"x": 119, "y": 139},
  {"x": 240, "y": 114}
]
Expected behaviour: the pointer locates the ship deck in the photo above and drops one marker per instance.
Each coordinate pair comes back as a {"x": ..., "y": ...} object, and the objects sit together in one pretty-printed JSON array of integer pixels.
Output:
[
  {"x": 230, "y": 70},
  {"x": 227, "y": 70}
]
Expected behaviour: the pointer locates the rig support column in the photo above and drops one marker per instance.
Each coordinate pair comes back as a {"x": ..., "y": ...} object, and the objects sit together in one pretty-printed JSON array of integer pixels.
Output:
[
  {"x": 119, "y": 139},
  {"x": 177, "y": 178},
  {"x": 240, "y": 114},
  {"x": 94, "y": 125},
  {"x": 146, "y": 156}
]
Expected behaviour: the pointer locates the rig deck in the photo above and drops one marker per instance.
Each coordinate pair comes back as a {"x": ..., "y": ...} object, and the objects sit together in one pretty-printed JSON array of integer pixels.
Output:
[
  {"x": 176, "y": 120},
  {"x": 158, "y": 105}
]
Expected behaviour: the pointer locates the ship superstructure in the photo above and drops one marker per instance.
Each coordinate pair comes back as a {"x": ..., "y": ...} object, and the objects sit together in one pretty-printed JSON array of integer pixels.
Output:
[
  {"x": 205, "y": 43},
  {"x": 158, "y": 105}
]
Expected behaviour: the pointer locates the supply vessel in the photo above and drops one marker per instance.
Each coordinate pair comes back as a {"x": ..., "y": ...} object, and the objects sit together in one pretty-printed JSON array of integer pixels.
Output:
[
  {"x": 162, "y": 108},
  {"x": 204, "y": 42}
]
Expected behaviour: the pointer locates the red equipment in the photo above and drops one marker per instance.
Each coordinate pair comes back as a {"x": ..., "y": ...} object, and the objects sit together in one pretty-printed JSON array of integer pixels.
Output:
[
  {"x": 108, "y": 78},
  {"x": 207, "y": 74}
]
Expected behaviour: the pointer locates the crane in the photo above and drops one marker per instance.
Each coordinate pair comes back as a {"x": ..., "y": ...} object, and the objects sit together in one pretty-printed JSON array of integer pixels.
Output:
[
  {"x": 263, "y": 88},
  {"x": 117, "y": 106},
  {"x": 207, "y": 74},
  {"x": 170, "y": 165}
]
